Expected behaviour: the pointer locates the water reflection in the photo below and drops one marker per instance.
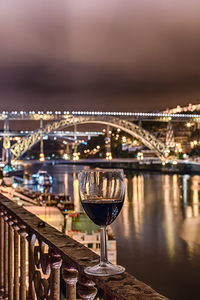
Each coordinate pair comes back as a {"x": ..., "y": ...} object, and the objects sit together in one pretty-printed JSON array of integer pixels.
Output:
[
  {"x": 137, "y": 183},
  {"x": 77, "y": 206},
  {"x": 170, "y": 204},
  {"x": 161, "y": 225}
]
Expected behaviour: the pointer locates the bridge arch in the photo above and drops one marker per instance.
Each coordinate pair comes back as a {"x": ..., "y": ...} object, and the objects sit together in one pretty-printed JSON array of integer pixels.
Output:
[{"x": 149, "y": 140}]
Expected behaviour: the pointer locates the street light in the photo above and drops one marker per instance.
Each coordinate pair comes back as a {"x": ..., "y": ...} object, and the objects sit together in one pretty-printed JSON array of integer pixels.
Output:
[{"x": 108, "y": 155}]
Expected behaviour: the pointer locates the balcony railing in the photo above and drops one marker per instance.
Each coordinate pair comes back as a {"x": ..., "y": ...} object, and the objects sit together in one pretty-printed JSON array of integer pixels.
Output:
[{"x": 36, "y": 260}]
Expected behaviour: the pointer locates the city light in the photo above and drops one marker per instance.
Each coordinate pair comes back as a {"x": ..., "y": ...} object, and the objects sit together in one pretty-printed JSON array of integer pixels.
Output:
[
  {"x": 76, "y": 156},
  {"x": 174, "y": 113},
  {"x": 123, "y": 139},
  {"x": 65, "y": 156},
  {"x": 140, "y": 156},
  {"x": 41, "y": 158},
  {"x": 108, "y": 155}
]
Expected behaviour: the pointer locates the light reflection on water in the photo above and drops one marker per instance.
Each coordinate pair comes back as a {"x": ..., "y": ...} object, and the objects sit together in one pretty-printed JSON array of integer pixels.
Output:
[
  {"x": 158, "y": 233},
  {"x": 158, "y": 230}
]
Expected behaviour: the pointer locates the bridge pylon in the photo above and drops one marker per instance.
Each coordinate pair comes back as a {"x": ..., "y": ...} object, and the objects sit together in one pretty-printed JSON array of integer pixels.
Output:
[
  {"x": 42, "y": 157},
  {"x": 6, "y": 151}
]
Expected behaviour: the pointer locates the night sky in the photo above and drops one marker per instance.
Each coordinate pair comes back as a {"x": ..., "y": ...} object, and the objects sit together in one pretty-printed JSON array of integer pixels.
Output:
[{"x": 114, "y": 55}]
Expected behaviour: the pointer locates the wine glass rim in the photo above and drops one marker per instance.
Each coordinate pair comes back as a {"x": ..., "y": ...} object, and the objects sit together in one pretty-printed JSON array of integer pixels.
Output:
[{"x": 102, "y": 170}]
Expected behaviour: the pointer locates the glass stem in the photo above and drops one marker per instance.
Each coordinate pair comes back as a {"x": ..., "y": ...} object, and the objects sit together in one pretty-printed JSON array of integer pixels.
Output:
[{"x": 103, "y": 246}]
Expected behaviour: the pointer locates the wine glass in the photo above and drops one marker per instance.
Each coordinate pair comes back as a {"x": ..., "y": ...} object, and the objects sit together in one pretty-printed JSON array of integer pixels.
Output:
[{"x": 102, "y": 194}]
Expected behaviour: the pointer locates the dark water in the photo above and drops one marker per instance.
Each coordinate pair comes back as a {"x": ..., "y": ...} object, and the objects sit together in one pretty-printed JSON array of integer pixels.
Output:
[{"x": 157, "y": 231}]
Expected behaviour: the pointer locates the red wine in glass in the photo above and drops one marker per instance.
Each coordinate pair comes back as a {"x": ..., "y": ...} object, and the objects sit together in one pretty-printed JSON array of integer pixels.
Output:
[{"x": 102, "y": 194}]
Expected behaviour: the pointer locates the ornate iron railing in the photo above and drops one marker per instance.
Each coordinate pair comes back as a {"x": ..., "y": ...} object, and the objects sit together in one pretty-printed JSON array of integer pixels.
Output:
[{"x": 35, "y": 257}]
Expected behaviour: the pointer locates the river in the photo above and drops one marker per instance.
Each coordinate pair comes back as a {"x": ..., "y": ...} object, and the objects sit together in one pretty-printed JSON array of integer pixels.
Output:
[{"x": 157, "y": 231}]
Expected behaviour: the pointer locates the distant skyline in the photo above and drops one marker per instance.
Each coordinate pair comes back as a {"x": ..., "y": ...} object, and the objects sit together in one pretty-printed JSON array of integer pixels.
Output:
[{"x": 99, "y": 55}]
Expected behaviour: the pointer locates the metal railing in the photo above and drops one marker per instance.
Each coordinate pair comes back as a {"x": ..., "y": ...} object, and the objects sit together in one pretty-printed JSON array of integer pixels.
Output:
[{"x": 35, "y": 258}]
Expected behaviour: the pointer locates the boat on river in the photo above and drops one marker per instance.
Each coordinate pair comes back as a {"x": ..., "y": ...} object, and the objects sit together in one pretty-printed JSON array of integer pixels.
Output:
[{"x": 42, "y": 178}]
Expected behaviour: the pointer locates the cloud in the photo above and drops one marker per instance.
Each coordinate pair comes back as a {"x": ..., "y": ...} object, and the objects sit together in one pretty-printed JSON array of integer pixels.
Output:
[{"x": 126, "y": 50}]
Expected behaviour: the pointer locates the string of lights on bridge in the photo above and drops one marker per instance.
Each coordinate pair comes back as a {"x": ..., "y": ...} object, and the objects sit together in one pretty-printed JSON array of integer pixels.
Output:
[{"x": 13, "y": 114}]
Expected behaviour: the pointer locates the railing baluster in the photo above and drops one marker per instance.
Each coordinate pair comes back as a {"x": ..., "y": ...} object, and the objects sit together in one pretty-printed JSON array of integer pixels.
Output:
[
  {"x": 1, "y": 254},
  {"x": 55, "y": 263},
  {"x": 22, "y": 233},
  {"x": 31, "y": 243},
  {"x": 70, "y": 276},
  {"x": 16, "y": 259},
  {"x": 10, "y": 258},
  {"x": 5, "y": 256},
  {"x": 86, "y": 291}
]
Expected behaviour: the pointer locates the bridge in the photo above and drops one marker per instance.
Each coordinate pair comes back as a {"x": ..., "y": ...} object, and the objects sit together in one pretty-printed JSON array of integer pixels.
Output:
[
  {"x": 134, "y": 130},
  {"x": 122, "y": 120}
]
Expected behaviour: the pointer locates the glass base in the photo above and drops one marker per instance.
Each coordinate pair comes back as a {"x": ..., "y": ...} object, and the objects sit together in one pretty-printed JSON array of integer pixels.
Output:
[{"x": 104, "y": 270}]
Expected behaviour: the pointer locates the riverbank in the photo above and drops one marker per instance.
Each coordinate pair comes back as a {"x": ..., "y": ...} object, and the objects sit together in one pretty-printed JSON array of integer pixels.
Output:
[{"x": 150, "y": 165}]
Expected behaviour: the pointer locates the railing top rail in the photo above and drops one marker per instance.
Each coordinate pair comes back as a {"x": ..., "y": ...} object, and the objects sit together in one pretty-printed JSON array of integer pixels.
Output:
[{"x": 124, "y": 286}]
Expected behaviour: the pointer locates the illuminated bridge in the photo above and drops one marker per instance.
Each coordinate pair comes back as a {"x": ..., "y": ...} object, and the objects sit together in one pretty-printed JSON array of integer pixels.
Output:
[
  {"x": 134, "y": 130},
  {"x": 58, "y": 120}
]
